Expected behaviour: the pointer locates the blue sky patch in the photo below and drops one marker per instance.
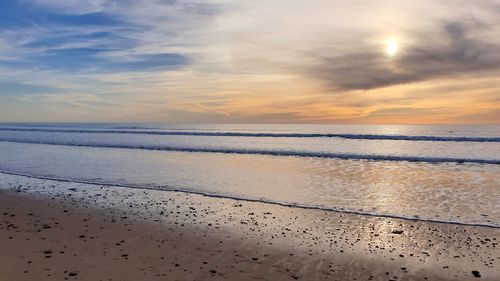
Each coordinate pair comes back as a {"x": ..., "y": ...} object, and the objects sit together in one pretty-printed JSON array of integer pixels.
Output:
[{"x": 51, "y": 40}]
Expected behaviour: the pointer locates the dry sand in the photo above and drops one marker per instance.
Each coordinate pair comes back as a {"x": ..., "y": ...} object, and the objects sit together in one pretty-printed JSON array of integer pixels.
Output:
[{"x": 52, "y": 230}]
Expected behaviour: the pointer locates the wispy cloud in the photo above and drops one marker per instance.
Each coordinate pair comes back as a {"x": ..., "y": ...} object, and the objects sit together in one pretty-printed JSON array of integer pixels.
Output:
[
  {"x": 10, "y": 88},
  {"x": 244, "y": 61}
]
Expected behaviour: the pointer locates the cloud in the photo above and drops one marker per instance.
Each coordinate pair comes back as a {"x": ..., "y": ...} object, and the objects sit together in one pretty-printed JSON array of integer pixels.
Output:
[
  {"x": 455, "y": 51},
  {"x": 398, "y": 111},
  {"x": 95, "y": 60},
  {"x": 244, "y": 61},
  {"x": 149, "y": 62},
  {"x": 24, "y": 14},
  {"x": 89, "y": 36},
  {"x": 489, "y": 116},
  {"x": 70, "y": 6},
  {"x": 10, "y": 88}
]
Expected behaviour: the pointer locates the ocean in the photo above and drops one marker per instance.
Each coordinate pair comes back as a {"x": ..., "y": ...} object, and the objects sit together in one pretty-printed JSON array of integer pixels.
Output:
[{"x": 447, "y": 174}]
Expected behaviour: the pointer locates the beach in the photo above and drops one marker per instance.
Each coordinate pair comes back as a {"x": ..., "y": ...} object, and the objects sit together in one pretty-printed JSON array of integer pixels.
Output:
[
  {"x": 249, "y": 140},
  {"x": 56, "y": 230}
]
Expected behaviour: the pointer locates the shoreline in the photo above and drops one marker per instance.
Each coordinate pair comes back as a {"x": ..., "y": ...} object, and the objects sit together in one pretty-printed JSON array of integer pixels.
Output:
[
  {"x": 220, "y": 238},
  {"x": 275, "y": 203}
]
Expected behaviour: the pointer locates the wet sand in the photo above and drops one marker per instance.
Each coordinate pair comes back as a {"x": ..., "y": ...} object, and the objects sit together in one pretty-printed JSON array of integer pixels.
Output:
[{"x": 52, "y": 230}]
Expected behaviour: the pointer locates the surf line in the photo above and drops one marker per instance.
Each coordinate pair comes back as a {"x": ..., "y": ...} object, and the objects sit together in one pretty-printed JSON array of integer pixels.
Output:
[
  {"x": 277, "y": 203},
  {"x": 269, "y": 135},
  {"x": 270, "y": 152}
]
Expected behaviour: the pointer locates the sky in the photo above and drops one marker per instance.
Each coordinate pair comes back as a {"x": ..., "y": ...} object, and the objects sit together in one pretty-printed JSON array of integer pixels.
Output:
[{"x": 239, "y": 61}]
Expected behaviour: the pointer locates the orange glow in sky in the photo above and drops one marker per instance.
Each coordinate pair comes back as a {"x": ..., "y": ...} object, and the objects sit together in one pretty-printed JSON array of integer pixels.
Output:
[{"x": 251, "y": 62}]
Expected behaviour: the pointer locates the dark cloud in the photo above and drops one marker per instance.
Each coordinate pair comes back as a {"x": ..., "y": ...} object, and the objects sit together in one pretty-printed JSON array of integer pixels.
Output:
[{"x": 456, "y": 50}]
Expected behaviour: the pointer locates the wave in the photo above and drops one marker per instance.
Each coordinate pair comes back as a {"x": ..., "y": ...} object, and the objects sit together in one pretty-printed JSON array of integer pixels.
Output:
[
  {"x": 269, "y": 135},
  {"x": 294, "y": 153},
  {"x": 265, "y": 201}
]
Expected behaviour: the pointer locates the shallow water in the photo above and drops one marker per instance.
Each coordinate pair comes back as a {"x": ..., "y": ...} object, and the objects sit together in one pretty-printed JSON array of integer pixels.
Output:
[{"x": 351, "y": 174}]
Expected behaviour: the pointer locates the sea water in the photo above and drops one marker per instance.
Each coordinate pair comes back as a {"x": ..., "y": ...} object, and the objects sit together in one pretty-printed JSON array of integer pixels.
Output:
[{"x": 448, "y": 174}]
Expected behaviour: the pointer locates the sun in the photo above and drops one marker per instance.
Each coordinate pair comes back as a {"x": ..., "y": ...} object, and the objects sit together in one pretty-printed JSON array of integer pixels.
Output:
[{"x": 391, "y": 47}]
